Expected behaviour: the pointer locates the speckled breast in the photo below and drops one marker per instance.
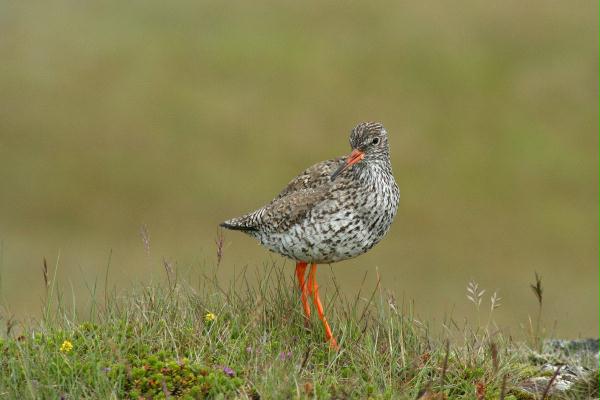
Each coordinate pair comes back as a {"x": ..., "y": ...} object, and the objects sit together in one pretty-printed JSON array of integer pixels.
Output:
[{"x": 349, "y": 223}]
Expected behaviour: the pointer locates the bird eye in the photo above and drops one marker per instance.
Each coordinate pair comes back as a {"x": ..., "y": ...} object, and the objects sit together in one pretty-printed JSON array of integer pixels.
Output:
[{"x": 375, "y": 140}]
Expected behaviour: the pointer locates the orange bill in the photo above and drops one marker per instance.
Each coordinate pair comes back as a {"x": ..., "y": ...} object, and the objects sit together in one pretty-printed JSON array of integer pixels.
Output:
[{"x": 352, "y": 159}]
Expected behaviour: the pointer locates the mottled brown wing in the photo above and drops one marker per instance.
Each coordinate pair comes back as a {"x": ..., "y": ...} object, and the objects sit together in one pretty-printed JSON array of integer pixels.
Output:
[
  {"x": 292, "y": 204},
  {"x": 312, "y": 177},
  {"x": 291, "y": 208}
]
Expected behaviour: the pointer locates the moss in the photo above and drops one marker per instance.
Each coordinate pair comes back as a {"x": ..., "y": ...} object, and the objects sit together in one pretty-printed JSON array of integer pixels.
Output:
[
  {"x": 527, "y": 371},
  {"x": 520, "y": 394},
  {"x": 155, "y": 375}
]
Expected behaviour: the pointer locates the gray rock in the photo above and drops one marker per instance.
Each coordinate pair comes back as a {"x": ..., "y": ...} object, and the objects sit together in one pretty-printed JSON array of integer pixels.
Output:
[
  {"x": 536, "y": 386},
  {"x": 574, "y": 348},
  {"x": 578, "y": 364},
  {"x": 570, "y": 373},
  {"x": 567, "y": 376}
]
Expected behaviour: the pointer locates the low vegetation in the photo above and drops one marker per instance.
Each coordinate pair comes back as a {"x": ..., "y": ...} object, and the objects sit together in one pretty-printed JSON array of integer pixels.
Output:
[{"x": 244, "y": 340}]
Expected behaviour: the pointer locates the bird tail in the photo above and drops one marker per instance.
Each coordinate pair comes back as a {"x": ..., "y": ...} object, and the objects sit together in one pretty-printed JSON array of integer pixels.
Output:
[{"x": 239, "y": 224}]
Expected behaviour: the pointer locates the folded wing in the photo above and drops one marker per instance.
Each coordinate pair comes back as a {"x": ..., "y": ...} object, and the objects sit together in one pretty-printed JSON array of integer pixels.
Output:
[{"x": 292, "y": 204}]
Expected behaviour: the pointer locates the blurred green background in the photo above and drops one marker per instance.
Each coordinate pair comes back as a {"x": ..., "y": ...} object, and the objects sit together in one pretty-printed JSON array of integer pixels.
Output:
[{"x": 118, "y": 114}]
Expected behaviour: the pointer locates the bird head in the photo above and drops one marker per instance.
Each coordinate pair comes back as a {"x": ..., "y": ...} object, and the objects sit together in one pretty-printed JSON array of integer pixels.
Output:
[{"x": 369, "y": 142}]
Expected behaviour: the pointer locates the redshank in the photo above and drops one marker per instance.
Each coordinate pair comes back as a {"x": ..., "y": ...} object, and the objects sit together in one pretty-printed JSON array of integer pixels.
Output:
[{"x": 335, "y": 210}]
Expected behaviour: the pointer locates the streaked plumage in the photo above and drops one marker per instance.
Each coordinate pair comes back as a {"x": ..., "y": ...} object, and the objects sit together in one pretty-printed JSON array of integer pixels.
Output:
[
  {"x": 319, "y": 220},
  {"x": 335, "y": 210}
]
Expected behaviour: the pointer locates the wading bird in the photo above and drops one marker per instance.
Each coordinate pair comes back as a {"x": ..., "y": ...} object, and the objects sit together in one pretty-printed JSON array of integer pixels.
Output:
[{"x": 335, "y": 210}]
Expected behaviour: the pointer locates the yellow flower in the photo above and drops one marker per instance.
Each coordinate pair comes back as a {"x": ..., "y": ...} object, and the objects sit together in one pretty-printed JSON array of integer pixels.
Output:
[
  {"x": 209, "y": 317},
  {"x": 66, "y": 346}
]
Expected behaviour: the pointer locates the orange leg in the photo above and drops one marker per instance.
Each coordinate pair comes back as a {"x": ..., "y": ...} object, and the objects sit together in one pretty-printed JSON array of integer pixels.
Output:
[
  {"x": 300, "y": 272},
  {"x": 314, "y": 287}
]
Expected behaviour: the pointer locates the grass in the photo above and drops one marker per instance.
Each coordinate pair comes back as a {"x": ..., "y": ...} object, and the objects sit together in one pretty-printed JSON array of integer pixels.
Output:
[{"x": 178, "y": 340}]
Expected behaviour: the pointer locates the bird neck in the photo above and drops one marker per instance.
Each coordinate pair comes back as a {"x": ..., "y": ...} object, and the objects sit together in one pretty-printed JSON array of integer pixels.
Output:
[{"x": 373, "y": 171}]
